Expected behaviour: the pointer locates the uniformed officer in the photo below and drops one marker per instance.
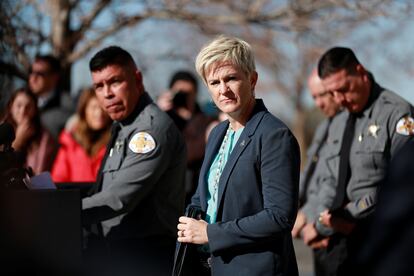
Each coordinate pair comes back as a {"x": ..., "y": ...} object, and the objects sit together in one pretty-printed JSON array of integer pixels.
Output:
[
  {"x": 362, "y": 142},
  {"x": 140, "y": 189},
  {"x": 312, "y": 196}
]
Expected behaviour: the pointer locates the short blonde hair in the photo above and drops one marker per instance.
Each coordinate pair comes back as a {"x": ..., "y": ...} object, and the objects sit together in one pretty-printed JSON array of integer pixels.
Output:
[{"x": 225, "y": 49}]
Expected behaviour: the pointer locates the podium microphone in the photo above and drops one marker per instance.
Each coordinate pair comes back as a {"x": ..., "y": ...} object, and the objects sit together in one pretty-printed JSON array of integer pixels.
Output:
[{"x": 7, "y": 135}]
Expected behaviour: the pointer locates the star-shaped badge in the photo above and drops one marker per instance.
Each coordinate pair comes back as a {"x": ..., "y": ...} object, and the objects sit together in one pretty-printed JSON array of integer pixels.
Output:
[{"x": 373, "y": 130}]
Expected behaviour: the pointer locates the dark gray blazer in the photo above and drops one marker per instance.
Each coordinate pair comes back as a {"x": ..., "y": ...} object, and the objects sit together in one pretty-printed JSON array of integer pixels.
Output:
[{"x": 258, "y": 199}]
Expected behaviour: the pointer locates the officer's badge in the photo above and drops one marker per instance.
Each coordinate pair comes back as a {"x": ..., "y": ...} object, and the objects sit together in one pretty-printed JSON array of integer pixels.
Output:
[
  {"x": 142, "y": 142},
  {"x": 405, "y": 126},
  {"x": 373, "y": 130}
]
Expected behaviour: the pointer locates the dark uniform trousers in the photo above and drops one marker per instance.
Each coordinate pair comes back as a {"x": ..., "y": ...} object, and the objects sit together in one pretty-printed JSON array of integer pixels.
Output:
[{"x": 338, "y": 259}]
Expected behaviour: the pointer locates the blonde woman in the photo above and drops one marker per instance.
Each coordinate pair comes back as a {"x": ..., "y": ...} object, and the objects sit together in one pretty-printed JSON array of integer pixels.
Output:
[{"x": 248, "y": 185}]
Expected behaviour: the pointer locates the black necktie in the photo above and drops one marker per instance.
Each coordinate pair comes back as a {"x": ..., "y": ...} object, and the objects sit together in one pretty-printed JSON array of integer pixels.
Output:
[
  {"x": 312, "y": 166},
  {"x": 114, "y": 134},
  {"x": 344, "y": 169}
]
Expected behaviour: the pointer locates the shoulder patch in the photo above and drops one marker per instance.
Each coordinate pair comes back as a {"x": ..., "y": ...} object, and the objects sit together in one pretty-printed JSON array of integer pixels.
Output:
[
  {"x": 405, "y": 126},
  {"x": 142, "y": 142}
]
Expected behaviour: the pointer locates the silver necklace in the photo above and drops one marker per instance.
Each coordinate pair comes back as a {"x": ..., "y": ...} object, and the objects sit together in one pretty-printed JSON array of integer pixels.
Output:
[{"x": 220, "y": 163}]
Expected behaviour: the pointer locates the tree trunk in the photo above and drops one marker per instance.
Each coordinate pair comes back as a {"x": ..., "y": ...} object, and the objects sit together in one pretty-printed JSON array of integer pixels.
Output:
[{"x": 60, "y": 32}]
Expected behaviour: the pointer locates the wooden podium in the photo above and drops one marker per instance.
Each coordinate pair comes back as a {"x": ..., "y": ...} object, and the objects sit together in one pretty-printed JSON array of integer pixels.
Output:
[{"x": 40, "y": 232}]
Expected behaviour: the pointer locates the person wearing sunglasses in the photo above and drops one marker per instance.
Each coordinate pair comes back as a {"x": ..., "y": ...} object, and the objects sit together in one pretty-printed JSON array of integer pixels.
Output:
[{"x": 54, "y": 105}]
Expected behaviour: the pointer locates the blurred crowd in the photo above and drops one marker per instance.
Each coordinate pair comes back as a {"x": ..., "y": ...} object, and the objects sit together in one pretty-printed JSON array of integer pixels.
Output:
[{"x": 67, "y": 137}]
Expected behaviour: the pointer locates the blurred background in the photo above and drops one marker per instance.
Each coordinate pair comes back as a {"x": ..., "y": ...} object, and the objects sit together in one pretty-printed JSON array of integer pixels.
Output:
[{"x": 165, "y": 35}]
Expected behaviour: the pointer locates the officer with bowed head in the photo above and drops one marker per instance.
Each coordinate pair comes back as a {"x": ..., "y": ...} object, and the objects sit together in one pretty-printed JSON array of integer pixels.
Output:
[
  {"x": 364, "y": 139},
  {"x": 139, "y": 193}
]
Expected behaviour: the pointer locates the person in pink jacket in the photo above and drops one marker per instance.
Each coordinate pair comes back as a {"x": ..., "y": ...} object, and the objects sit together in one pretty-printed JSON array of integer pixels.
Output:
[
  {"x": 33, "y": 142},
  {"x": 82, "y": 142}
]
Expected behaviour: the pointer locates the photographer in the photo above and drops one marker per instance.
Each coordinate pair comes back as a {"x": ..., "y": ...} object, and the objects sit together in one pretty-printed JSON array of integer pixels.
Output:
[
  {"x": 181, "y": 105},
  {"x": 179, "y": 112}
]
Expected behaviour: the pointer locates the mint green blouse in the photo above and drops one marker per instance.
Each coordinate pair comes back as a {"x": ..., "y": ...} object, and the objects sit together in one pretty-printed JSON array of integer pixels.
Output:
[{"x": 216, "y": 169}]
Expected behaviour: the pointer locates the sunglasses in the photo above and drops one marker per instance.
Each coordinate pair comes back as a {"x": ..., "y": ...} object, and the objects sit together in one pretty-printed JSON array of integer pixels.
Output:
[{"x": 40, "y": 73}]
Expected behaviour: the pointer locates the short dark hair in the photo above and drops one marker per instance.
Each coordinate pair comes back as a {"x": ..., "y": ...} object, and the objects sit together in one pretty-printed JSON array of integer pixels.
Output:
[
  {"x": 336, "y": 59},
  {"x": 184, "y": 76},
  {"x": 53, "y": 62},
  {"x": 109, "y": 56}
]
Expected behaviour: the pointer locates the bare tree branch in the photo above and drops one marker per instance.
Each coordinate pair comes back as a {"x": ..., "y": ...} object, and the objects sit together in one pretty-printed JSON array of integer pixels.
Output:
[
  {"x": 86, "y": 22},
  {"x": 94, "y": 42},
  {"x": 266, "y": 23}
]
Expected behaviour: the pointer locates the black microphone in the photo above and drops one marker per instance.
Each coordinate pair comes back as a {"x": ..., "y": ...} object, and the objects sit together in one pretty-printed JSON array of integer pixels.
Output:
[{"x": 6, "y": 135}]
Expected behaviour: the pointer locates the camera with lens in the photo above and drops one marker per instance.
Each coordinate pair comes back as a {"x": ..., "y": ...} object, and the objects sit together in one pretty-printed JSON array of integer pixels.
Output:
[
  {"x": 13, "y": 174},
  {"x": 180, "y": 99}
]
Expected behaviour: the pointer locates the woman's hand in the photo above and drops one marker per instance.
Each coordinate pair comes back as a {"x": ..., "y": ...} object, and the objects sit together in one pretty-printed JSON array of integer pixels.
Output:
[
  {"x": 192, "y": 231},
  {"x": 24, "y": 132}
]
